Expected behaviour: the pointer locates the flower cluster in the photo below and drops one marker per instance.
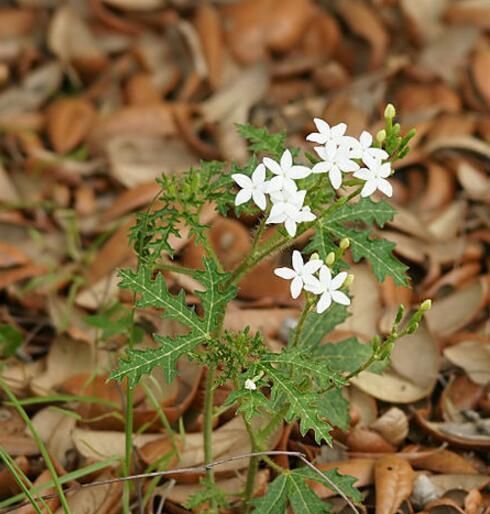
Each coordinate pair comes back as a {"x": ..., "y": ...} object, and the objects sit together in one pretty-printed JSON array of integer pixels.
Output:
[
  {"x": 315, "y": 276},
  {"x": 338, "y": 154}
]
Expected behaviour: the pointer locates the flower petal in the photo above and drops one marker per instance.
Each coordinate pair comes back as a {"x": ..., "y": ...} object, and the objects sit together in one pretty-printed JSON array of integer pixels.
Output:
[
  {"x": 384, "y": 170},
  {"x": 369, "y": 188},
  {"x": 274, "y": 184},
  {"x": 259, "y": 200},
  {"x": 338, "y": 130},
  {"x": 324, "y": 303},
  {"x": 335, "y": 177},
  {"x": 286, "y": 273},
  {"x": 364, "y": 174},
  {"x": 243, "y": 196},
  {"x": 242, "y": 180},
  {"x": 297, "y": 260},
  {"x": 322, "y": 126},
  {"x": 366, "y": 139},
  {"x": 290, "y": 226},
  {"x": 338, "y": 280},
  {"x": 340, "y": 297},
  {"x": 385, "y": 187},
  {"x": 312, "y": 266},
  {"x": 325, "y": 276},
  {"x": 307, "y": 215},
  {"x": 378, "y": 153},
  {"x": 296, "y": 172},
  {"x": 272, "y": 165},
  {"x": 296, "y": 287},
  {"x": 347, "y": 165},
  {"x": 315, "y": 137},
  {"x": 286, "y": 160},
  {"x": 278, "y": 210},
  {"x": 258, "y": 176},
  {"x": 313, "y": 285},
  {"x": 322, "y": 167}
]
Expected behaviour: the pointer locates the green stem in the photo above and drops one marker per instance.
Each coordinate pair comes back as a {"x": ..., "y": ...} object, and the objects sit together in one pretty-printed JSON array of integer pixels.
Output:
[
  {"x": 40, "y": 445},
  {"x": 208, "y": 426},
  {"x": 128, "y": 448},
  {"x": 299, "y": 327},
  {"x": 175, "y": 268},
  {"x": 253, "y": 466}
]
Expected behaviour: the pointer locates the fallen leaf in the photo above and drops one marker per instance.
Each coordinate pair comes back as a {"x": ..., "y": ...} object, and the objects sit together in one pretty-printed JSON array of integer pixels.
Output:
[
  {"x": 393, "y": 478},
  {"x": 392, "y": 425},
  {"x": 473, "y": 357}
]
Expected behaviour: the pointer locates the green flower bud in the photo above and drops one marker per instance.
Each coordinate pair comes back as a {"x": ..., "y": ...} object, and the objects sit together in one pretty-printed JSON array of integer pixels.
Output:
[
  {"x": 399, "y": 314},
  {"x": 330, "y": 259},
  {"x": 412, "y": 328},
  {"x": 381, "y": 136},
  {"x": 344, "y": 243},
  {"x": 314, "y": 257},
  {"x": 348, "y": 280},
  {"x": 390, "y": 111},
  {"x": 426, "y": 305}
]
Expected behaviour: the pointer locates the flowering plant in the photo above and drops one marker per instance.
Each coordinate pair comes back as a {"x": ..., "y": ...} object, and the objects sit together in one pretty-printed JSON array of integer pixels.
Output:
[{"x": 319, "y": 197}]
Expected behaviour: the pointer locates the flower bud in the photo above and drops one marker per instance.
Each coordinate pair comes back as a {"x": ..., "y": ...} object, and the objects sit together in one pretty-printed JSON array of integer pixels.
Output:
[
  {"x": 426, "y": 305},
  {"x": 381, "y": 136},
  {"x": 413, "y": 327},
  {"x": 330, "y": 259},
  {"x": 348, "y": 280},
  {"x": 344, "y": 243},
  {"x": 390, "y": 111},
  {"x": 314, "y": 257}
]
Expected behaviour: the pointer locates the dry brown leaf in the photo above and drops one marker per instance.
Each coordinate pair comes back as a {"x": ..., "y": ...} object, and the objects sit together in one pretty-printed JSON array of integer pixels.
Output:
[
  {"x": 68, "y": 122},
  {"x": 393, "y": 481},
  {"x": 475, "y": 182},
  {"x": 456, "y": 310},
  {"x": 364, "y": 405},
  {"x": 8, "y": 484},
  {"x": 364, "y": 440},
  {"x": 481, "y": 65},
  {"x": 442, "y": 461},
  {"x": 473, "y": 357},
  {"x": 467, "y": 144},
  {"x": 8, "y": 191},
  {"x": 392, "y": 425},
  {"x": 137, "y": 5},
  {"x": 364, "y": 22},
  {"x": 424, "y": 18},
  {"x": 448, "y": 482},
  {"x": 469, "y": 12},
  {"x": 449, "y": 222}
]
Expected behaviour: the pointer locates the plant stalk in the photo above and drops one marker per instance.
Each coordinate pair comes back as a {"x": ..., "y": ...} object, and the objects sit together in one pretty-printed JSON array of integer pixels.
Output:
[{"x": 208, "y": 426}]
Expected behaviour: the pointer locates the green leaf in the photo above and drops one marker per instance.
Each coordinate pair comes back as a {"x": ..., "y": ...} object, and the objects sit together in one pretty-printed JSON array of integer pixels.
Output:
[
  {"x": 10, "y": 340},
  {"x": 302, "y": 405},
  {"x": 250, "y": 403},
  {"x": 335, "y": 408},
  {"x": 155, "y": 293},
  {"x": 345, "y": 356},
  {"x": 365, "y": 211},
  {"x": 344, "y": 483},
  {"x": 262, "y": 141},
  {"x": 303, "y": 500},
  {"x": 377, "y": 251},
  {"x": 317, "y": 326},
  {"x": 275, "y": 499}
]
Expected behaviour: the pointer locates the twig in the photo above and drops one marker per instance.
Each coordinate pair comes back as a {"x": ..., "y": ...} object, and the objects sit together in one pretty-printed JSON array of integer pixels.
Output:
[{"x": 194, "y": 469}]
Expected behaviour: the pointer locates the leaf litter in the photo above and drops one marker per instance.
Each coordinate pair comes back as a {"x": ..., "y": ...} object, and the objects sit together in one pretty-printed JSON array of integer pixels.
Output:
[{"x": 98, "y": 99}]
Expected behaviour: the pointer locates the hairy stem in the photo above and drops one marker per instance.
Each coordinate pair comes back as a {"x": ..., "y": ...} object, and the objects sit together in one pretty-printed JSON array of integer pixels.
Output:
[
  {"x": 253, "y": 465},
  {"x": 299, "y": 327},
  {"x": 208, "y": 426}
]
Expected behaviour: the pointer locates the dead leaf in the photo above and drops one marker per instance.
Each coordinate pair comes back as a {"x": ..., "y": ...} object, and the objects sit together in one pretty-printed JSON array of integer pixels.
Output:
[
  {"x": 392, "y": 425},
  {"x": 442, "y": 461},
  {"x": 481, "y": 65},
  {"x": 473, "y": 357},
  {"x": 393, "y": 481},
  {"x": 68, "y": 122}
]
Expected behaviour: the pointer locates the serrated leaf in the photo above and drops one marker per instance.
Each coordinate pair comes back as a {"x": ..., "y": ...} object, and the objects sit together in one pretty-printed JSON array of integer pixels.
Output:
[
  {"x": 302, "y": 499},
  {"x": 317, "y": 326},
  {"x": 365, "y": 210},
  {"x": 301, "y": 405},
  {"x": 378, "y": 252},
  {"x": 274, "y": 500},
  {"x": 335, "y": 408},
  {"x": 345, "y": 356},
  {"x": 250, "y": 403},
  {"x": 344, "y": 483},
  {"x": 321, "y": 241},
  {"x": 262, "y": 141},
  {"x": 155, "y": 293}
]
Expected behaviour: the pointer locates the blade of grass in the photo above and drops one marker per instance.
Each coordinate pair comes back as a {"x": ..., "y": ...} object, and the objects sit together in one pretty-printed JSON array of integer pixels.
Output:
[
  {"x": 74, "y": 475},
  {"x": 40, "y": 444},
  {"x": 65, "y": 398}
]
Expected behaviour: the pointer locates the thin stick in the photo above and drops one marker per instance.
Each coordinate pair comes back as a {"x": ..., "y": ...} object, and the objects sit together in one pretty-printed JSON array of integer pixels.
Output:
[{"x": 202, "y": 468}]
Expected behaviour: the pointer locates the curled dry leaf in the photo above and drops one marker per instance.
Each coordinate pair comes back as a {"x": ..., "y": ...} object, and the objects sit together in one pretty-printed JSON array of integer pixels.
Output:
[
  {"x": 68, "y": 122},
  {"x": 481, "y": 65},
  {"x": 393, "y": 478},
  {"x": 361, "y": 439},
  {"x": 137, "y": 5},
  {"x": 424, "y": 18},
  {"x": 456, "y": 310},
  {"x": 469, "y": 12},
  {"x": 461, "y": 394},
  {"x": 444, "y": 506},
  {"x": 475, "y": 182},
  {"x": 364, "y": 405},
  {"x": 441, "y": 461},
  {"x": 449, "y": 222},
  {"x": 392, "y": 425},
  {"x": 473, "y": 357},
  {"x": 8, "y": 485}
]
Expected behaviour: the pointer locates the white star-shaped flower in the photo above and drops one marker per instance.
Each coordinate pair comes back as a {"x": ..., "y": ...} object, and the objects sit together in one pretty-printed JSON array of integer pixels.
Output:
[
  {"x": 250, "y": 385},
  {"x": 335, "y": 160},
  {"x": 363, "y": 149},
  {"x": 301, "y": 274},
  {"x": 285, "y": 172},
  {"x": 328, "y": 288},
  {"x": 252, "y": 187},
  {"x": 326, "y": 133},
  {"x": 288, "y": 208},
  {"x": 375, "y": 176}
]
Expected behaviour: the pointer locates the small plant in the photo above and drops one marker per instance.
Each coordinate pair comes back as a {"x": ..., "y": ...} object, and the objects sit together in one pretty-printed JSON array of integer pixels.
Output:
[{"x": 330, "y": 196}]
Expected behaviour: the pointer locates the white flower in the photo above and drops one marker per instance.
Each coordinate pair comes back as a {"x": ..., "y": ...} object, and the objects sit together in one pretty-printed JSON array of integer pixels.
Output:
[
  {"x": 363, "y": 149},
  {"x": 286, "y": 172},
  {"x": 375, "y": 176},
  {"x": 335, "y": 160},
  {"x": 328, "y": 288},
  {"x": 326, "y": 133},
  {"x": 288, "y": 208},
  {"x": 301, "y": 274},
  {"x": 252, "y": 187},
  {"x": 250, "y": 384}
]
